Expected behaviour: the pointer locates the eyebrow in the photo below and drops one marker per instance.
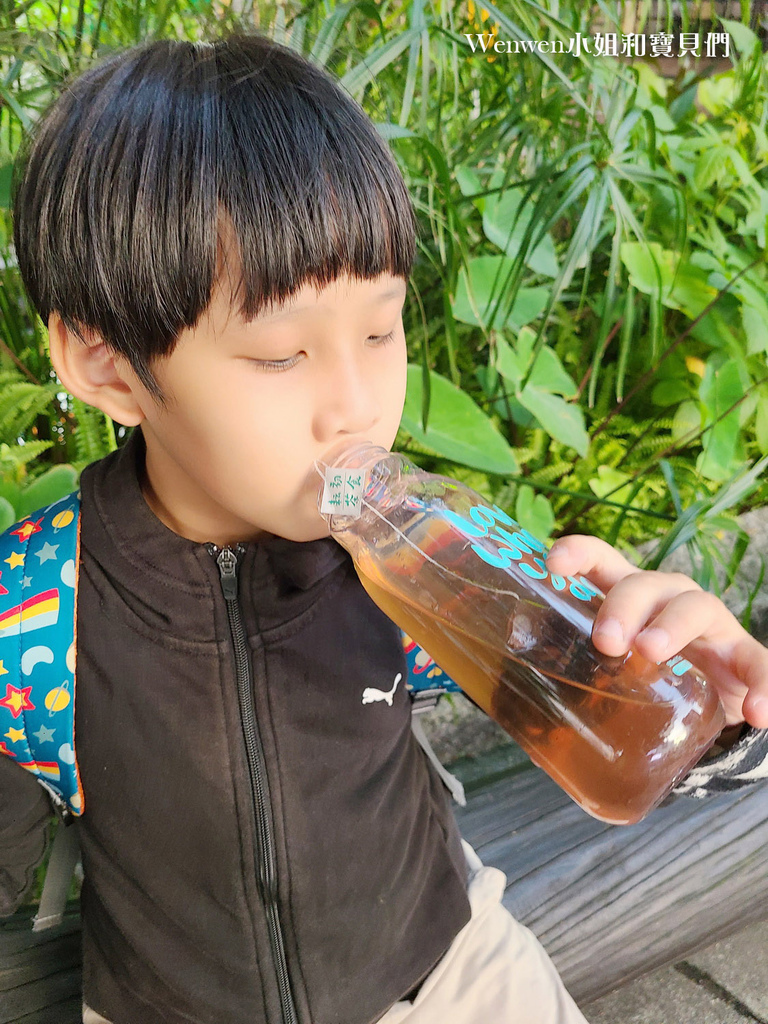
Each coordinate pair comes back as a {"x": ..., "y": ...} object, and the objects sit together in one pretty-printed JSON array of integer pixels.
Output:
[{"x": 391, "y": 293}]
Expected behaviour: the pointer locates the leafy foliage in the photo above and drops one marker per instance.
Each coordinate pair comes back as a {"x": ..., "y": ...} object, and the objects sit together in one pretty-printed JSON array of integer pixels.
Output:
[{"x": 587, "y": 317}]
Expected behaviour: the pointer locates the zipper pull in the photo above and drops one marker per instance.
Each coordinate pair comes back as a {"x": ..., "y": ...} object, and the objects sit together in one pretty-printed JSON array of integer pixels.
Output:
[{"x": 227, "y": 563}]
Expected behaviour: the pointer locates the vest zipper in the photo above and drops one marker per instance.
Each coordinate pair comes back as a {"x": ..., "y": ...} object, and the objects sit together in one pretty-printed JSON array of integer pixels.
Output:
[{"x": 226, "y": 559}]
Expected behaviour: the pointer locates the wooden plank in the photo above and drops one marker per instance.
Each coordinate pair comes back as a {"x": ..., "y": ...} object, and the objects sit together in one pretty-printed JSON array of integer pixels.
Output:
[
  {"x": 20, "y": 1002},
  {"x": 40, "y": 974},
  {"x": 610, "y": 903},
  {"x": 16, "y": 934},
  {"x": 21, "y": 968},
  {"x": 68, "y": 1012}
]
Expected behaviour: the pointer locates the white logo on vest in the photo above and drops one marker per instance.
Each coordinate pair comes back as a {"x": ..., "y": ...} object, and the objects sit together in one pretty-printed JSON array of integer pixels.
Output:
[{"x": 371, "y": 694}]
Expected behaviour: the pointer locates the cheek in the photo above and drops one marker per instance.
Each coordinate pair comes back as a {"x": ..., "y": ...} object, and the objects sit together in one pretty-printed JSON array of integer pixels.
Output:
[
  {"x": 271, "y": 425},
  {"x": 213, "y": 422}
]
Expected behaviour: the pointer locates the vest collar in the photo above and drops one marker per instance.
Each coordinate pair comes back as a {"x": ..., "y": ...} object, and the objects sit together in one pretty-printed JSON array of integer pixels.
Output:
[{"x": 140, "y": 553}]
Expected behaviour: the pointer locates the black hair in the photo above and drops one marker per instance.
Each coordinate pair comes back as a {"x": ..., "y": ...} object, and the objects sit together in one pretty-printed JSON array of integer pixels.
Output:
[{"x": 150, "y": 166}]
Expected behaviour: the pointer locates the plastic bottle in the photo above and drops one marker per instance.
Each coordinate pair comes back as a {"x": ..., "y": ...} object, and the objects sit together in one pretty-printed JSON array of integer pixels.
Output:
[{"x": 470, "y": 585}]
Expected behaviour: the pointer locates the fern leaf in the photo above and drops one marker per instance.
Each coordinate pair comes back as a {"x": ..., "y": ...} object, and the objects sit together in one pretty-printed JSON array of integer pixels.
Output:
[
  {"x": 20, "y": 405},
  {"x": 93, "y": 438},
  {"x": 18, "y": 455}
]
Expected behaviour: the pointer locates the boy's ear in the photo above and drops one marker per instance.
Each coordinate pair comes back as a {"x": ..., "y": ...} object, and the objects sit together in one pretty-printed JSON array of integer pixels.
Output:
[{"x": 93, "y": 373}]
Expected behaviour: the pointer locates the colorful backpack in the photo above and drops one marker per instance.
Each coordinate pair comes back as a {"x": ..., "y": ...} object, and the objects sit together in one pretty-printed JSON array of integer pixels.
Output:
[
  {"x": 39, "y": 559},
  {"x": 38, "y": 594}
]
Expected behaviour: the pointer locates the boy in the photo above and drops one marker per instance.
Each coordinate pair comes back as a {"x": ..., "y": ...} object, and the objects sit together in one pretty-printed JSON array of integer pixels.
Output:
[{"x": 220, "y": 244}]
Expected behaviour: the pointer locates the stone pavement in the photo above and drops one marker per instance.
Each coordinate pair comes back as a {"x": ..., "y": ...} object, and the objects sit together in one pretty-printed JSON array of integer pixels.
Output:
[{"x": 727, "y": 983}]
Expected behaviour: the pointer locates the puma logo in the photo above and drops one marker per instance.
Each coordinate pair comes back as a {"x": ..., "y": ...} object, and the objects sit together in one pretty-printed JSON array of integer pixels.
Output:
[{"x": 371, "y": 694}]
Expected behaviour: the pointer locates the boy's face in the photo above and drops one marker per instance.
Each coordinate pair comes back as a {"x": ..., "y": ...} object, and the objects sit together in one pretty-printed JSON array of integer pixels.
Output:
[{"x": 250, "y": 406}]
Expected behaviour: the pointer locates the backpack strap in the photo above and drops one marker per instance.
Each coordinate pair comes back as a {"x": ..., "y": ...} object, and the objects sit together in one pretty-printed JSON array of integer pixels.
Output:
[
  {"x": 39, "y": 559},
  {"x": 65, "y": 854},
  {"x": 426, "y": 684},
  {"x": 451, "y": 782}
]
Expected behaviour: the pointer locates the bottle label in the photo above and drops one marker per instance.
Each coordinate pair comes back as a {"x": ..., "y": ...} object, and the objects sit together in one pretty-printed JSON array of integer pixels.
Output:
[
  {"x": 343, "y": 492},
  {"x": 505, "y": 542}
]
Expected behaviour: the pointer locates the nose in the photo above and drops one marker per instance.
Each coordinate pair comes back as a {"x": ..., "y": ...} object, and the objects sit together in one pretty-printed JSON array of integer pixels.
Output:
[{"x": 347, "y": 400}]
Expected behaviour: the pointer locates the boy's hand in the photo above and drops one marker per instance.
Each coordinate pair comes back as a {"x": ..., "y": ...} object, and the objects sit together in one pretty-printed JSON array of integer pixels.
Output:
[{"x": 661, "y": 614}]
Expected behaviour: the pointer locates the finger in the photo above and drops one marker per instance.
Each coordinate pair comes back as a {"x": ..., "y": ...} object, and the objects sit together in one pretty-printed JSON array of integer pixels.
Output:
[
  {"x": 738, "y": 669},
  {"x": 697, "y": 624},
  {"x": 693, "y": 614},
  {"x": 591, "y": 557},
  {"x": 717, "y": 668},
  {"x": 632, "y": 603},
  {"x": 749, "y": 663}
]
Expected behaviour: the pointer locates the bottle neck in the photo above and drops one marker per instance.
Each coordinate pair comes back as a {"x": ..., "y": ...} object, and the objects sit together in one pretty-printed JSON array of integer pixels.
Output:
[
  {"x": 353, "y": 455},
  {"x": 379, "y": 469}
]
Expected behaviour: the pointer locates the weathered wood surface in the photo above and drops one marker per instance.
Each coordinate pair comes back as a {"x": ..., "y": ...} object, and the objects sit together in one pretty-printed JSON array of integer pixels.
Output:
[
  {"x": 611, "y": 903},
  {"x": 40, "y": 972}
]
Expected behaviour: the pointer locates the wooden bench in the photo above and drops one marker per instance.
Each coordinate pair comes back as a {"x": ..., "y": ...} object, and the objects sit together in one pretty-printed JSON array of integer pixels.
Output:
[
  {"x": 611, "y": 903},
  {"x": 608, "y": 903},
  {"x": 40, "y": 971}
]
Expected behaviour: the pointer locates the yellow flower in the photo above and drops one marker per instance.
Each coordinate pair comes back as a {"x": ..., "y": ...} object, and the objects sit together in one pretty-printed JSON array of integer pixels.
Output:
[
  {"x": 490, "y": 37},
  {"x": 695, "y": 365}
]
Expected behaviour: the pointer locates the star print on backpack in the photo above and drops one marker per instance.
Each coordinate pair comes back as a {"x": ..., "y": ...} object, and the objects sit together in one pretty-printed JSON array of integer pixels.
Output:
[
  {"x": 38, "y": 594},
  {"x": 39, "y": 561}
]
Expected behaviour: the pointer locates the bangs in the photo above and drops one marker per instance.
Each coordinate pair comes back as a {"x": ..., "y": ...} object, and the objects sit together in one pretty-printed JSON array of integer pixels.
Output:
[
  {"x": 313, "y": 195},
  {"x": 170, "y": 162}
]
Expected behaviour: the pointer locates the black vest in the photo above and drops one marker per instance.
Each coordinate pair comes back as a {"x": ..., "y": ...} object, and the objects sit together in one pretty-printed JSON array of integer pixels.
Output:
[{"x": 322, "y": 867}]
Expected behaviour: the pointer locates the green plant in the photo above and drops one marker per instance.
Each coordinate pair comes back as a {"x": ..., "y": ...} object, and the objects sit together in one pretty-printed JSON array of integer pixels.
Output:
[{"x": 587, "y": 313}]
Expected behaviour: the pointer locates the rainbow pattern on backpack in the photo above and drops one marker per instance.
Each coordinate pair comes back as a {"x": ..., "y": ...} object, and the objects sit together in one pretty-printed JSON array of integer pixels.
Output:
[
  {"x": 39, "y": 562},
  {"x": 38, "y": 598}
]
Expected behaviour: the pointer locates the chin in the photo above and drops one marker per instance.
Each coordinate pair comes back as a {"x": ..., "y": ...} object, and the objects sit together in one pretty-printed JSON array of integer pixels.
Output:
[{"x": 307, "y": 533}]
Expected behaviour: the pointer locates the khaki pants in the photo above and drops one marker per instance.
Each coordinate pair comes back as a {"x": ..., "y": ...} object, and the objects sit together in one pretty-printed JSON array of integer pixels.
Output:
[
  {"x": 91, "y": 1017},
  {"x": 495, "y": 970}
]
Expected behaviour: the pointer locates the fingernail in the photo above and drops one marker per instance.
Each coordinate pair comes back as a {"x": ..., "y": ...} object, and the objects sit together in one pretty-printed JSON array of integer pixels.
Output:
[
  {"x": 657, "y": 638},
  {"x": 609, "y": 629},
  {"x": 758, "y": 708},
  {"x": 558, "y": 548}
]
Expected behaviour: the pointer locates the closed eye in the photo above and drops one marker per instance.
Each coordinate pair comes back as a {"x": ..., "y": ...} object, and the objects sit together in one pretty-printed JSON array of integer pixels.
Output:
[
  {"x": 278, "y": 365},
  {"x": 383, "y": 339}
]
